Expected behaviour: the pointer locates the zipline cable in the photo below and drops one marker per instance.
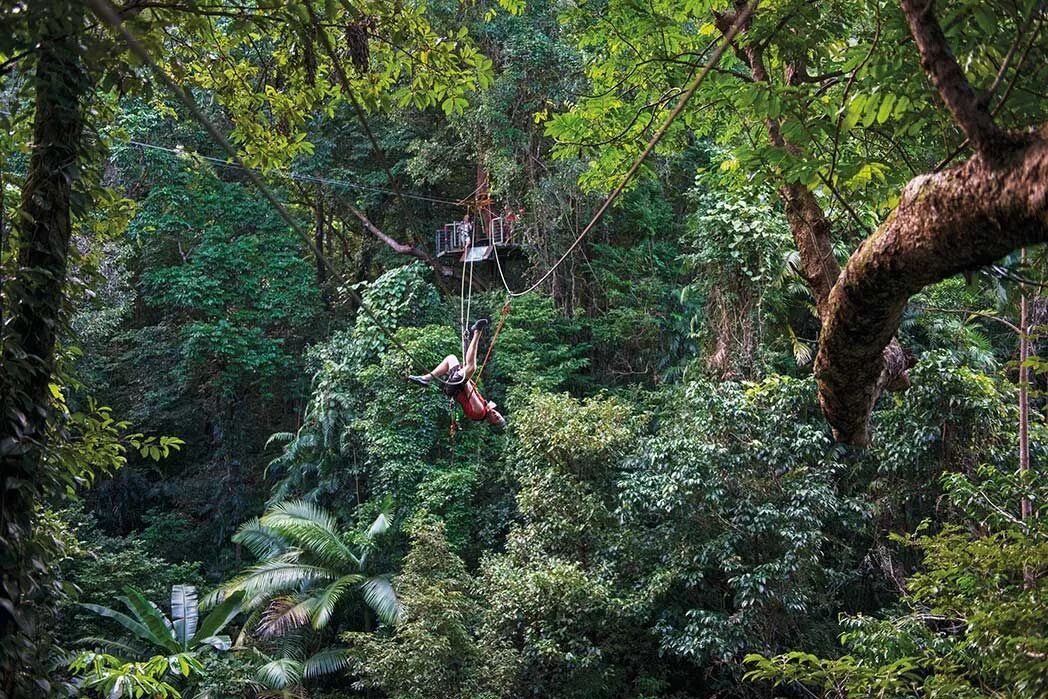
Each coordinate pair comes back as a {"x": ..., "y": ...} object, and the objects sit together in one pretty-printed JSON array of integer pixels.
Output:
[
  {"x": 106, "y": 12},
  {"x": 740, "y": 20}
]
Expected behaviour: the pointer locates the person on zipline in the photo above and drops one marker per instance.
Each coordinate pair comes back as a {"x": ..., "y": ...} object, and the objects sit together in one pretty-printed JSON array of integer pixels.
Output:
[{"x": 459, "y": 384}]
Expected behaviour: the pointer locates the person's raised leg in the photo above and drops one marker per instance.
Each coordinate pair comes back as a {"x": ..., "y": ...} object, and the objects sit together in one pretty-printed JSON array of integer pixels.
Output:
[
  {"x": 440, "y": 370},
  {"x": 470, "y": 365}
]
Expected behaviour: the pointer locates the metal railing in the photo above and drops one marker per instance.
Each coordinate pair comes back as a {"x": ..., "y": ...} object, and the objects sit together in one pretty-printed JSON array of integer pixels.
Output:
[{"x": 453, "y": 237}]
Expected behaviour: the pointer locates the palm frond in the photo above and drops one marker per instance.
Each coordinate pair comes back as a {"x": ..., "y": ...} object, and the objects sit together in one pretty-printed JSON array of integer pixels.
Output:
[
  {"x": 273, "y": 577},
  {"x": 380, "y": 526},
  {"x": 302, "y": 510},
  {"x": 281, "y": 673},
  {"x": 260, "y": 540},
  {"x": 312, "y": 528},
  {"x": 283, "y": 614},
  {"x": 328, "y": 598},
  {"x": 802, "y": 353},
  {"x": 326, "y": 662},
  {"x": 279, "y": 437},
  {"x": 379, "y": 594}
]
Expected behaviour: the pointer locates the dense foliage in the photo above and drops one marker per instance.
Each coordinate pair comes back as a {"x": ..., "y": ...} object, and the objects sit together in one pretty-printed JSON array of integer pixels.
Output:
[{"x": 218, "y": 483}]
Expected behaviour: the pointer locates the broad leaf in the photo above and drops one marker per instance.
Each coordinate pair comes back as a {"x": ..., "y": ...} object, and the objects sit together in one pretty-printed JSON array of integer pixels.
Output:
[
  {"x": 184, "y": 613},
  {"x": 218, "y": 618},
  {"x": 136, "y": 627},
  {"x": 159, "y": 627}
]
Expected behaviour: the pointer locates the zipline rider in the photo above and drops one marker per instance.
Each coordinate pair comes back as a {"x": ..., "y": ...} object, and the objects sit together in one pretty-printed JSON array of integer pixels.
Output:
[{"x": 459, "y": 385}]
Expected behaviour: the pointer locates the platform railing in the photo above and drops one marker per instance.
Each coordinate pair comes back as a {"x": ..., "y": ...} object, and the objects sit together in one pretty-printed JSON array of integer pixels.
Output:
[{"x": 498, "y": 231}]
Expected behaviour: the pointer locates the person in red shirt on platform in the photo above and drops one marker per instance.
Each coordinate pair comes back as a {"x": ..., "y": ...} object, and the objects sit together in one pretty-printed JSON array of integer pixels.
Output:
[{"x": 459, "y": 384}]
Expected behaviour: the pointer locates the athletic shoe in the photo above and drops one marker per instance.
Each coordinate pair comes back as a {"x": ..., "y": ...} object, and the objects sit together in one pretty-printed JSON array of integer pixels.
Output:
[
  {"x": 420, "y": 380},
  {"x": 480, "y": 324}
]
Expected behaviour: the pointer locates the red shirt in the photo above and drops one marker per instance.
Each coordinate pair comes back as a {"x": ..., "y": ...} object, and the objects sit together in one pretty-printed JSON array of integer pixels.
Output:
[{"x": 473, "y": 404}]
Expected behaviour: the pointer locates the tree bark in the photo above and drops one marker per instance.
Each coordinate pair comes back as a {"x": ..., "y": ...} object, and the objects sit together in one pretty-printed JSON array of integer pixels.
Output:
[
  {"x": 946, "y": 223},
  {"x": 949, "y": 222},
  {"x": 35, "y": 297}
]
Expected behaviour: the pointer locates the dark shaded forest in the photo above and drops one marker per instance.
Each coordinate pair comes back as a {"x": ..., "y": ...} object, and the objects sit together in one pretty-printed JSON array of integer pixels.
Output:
[{"x": 765, "y": 322}]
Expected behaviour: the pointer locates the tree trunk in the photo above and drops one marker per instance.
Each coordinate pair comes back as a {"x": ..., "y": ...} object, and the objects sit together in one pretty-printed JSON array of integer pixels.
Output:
[
  {"x": 33, "y": 318},
  {"x": 811, "y": 228},
  {"x": 1026, "y": 507},
  {"x": 318, "y": 242},
  {"x": 956, "y": 220}
]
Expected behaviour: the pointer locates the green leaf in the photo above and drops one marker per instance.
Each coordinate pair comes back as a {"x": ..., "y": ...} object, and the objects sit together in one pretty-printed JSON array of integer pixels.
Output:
[
  {"x": 885, "y": 112},
  {"x": 219, "y": 617},
  {"x": 184, "y": 613},
  {"x": 329, "y": 598},
  {"x": 326, "y": 662},
  {"x": 380, "y": 596},
  {"x": 161, "y": 631},
  {"x": 135, "y": 627}
]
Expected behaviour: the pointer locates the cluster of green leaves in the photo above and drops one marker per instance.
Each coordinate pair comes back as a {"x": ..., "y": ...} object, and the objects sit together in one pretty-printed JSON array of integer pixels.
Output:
[
  {"x": 857, "y": 118},
  {"x": 110, "y": 676},
  {"x": 737, "y": 253},
  {"x": 972, "y": 622},
  {"x": 223, "y": 268},
  {"x": 431, "y": 652},
  {"x": 275, "y": 65},
  {"x": 307, "y": 566}
]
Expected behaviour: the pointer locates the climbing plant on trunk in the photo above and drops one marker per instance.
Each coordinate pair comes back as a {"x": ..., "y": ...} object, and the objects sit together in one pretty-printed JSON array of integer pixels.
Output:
[{"x": 33, "y": 300}]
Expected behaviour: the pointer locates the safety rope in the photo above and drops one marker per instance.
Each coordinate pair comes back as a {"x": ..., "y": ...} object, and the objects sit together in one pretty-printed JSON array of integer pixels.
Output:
[
  {"x": 452, "y": 428},
  {"x": 462, "y": 307},
  {"x": 469, "y": 300},
  {"x": 740, "y": 20},
  {"x": 479, "y": 373},
  {"x": 466, "y": 297}
]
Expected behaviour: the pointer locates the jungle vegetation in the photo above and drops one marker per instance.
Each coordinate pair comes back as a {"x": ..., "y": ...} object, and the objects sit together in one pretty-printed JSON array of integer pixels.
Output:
[{"x": 775, "y": 391}]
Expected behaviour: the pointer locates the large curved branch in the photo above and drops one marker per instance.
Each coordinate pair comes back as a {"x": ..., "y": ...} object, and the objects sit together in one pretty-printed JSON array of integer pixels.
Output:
[
  {"x": 958, "y": 219},
  {"x": 398, "y": 247}
]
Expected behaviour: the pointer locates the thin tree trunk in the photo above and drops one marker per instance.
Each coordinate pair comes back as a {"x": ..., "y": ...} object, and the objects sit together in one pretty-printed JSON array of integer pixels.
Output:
[
  {"x": 1024, "y": 394},
  {"x": 318, "y": 242}
]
